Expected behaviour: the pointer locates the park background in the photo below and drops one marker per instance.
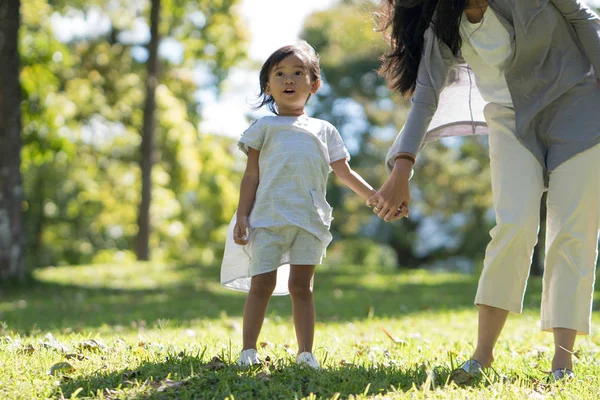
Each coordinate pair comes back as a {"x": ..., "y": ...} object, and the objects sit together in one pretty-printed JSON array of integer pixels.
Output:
[{"x": 120, "y": 174}]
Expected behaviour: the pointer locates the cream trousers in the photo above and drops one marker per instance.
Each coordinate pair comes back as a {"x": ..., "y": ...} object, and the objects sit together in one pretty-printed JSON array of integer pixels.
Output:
[{"x": 573, "y": 224}]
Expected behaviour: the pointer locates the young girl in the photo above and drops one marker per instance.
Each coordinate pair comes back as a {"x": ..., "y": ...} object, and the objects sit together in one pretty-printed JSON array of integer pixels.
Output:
[{"x": 282, "y": 200}]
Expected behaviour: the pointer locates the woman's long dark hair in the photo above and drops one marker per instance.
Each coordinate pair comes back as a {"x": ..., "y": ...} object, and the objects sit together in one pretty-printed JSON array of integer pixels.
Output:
[{"x": 408, "y": 20}]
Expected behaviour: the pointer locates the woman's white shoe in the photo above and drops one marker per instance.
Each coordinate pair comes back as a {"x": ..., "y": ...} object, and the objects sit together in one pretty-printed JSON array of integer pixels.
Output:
[{"x": 562, "y": 374}]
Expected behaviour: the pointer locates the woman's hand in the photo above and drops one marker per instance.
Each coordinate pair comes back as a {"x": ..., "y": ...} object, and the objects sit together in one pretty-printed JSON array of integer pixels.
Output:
[{"x": 392, "y": 200}]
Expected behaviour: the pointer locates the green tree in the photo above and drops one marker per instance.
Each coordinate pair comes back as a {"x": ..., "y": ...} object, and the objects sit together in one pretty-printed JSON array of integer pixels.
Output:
[{"x": 83, "y": 114}]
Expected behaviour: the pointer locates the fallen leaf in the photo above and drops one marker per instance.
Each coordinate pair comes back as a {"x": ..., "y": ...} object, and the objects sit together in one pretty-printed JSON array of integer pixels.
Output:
[
  {"x": 127, "y": 374},
  {"x": 263, "y": 377},
  {"x": 52, "y": 343},
  {"x": 215, "y": 364},
  {"x": 169, "y": 384},
  {"x": 140, "y": 351},
  {"x": 394, "y": 339},
  {"x": 77, "y": 356},
  {"x": 61, "y": 368},
  {"x": 29, "y": 349},
  {"x": 108, "y": 393},
  {"x": 92, "y": 345},
  {"x": 265, "y": 344}
]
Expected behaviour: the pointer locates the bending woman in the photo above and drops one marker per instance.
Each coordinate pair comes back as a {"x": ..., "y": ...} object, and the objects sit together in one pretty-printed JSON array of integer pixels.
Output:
[{"x": 537, "y": 67}]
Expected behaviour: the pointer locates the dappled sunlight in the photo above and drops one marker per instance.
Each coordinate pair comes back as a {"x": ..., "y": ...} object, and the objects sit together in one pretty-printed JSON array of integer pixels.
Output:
[
  {"x": 172, "y": 328},
  {"x": 125, "y": 297}
]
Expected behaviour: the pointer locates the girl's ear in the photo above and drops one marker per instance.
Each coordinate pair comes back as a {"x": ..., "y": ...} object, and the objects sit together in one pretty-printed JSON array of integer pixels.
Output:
[
  {"x": 315, "y": 86},
  {"x": 268, "y": 89}
]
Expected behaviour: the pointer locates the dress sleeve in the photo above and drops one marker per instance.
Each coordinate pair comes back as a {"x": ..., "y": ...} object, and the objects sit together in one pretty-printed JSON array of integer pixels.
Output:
[
  {"x": 335, "y": 146},
  {"x": 586, "y": 24},
  {"x": 253, "y": 137}
]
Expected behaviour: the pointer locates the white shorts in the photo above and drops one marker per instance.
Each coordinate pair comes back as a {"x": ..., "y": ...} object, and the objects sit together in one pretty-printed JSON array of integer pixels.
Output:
[{"x": 273, "y": 247}]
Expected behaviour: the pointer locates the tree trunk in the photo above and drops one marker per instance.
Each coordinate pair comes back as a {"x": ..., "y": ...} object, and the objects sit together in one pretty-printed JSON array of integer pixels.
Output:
[
  {"x": 12, "y": 256},
  {"x": 147, "y": 147}
]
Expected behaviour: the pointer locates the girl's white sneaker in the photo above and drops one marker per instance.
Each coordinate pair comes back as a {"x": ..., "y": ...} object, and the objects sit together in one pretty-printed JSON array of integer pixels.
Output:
[
  {"x": 308, "y": 360},
  {"x": 248, "y": 358}
]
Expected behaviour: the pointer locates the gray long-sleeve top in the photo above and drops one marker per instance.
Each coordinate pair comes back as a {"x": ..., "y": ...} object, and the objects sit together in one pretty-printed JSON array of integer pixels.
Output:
[{"x": 552, "y": 76}]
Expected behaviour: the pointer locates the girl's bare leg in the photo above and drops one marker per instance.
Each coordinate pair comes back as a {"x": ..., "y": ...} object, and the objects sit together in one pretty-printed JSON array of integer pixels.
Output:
[
  {"x": 261, "y": 289},
  {"x": 303, "y": 305}
]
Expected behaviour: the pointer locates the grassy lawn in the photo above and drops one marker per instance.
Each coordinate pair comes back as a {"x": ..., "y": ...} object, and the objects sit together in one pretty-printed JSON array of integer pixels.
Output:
[{"x": 144, "y": 331}]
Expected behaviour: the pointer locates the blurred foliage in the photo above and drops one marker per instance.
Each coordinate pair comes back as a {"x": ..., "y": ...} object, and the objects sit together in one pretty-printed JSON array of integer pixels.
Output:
[
  {"x": 450, "y": 190},
  {"x": 83, "y": 91},
  {"x": 365, "y": 254},
  {"x": 82, "y": 114}
]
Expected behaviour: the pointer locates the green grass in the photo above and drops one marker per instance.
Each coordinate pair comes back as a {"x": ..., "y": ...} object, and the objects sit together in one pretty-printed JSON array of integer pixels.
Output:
[{"x": 158, "y": 329}]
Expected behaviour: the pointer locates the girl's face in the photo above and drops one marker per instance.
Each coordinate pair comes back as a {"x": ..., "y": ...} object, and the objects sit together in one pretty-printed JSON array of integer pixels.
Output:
[{"x": 290, "y": 85}]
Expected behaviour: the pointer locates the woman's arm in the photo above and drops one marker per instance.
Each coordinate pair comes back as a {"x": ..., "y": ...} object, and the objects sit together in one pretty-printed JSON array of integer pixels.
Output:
[
  {"x": 395, "y": 193},
  {"x": 247, "y": 195},
  {"x": 433, "y": 71},
  {"x": 586, "y": 24},
  {"x": 410, "y": 138},
  {"x": 436, "y": 62}
]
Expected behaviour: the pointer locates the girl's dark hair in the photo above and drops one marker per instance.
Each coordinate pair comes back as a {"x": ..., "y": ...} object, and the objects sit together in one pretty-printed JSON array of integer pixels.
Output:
[
  {"x": 408, "y": 20},
  {"x": 302, "y": 50}
]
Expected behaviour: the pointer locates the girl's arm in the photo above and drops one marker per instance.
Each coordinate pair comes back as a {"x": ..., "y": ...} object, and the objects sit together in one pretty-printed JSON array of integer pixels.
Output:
[
  {"x": 247, "y": 196},
  {"x": 350, "y": 178},
  {"x": 355, "y": 182}
]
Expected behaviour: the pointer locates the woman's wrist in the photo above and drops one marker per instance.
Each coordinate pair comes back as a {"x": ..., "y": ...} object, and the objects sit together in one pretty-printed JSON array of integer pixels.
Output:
[{"x": 402, "y": 166}]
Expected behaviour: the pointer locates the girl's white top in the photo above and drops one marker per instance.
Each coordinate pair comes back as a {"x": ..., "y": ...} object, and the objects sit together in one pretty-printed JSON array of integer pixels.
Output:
[
  {"x": 294, "y": 163},
  {"x": 487, "y": 48}
]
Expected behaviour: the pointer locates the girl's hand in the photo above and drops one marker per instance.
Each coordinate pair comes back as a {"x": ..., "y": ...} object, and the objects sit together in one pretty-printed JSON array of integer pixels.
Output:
[
  {"x": 392, "y": 200},
  {"x": 240, "y": 231}
]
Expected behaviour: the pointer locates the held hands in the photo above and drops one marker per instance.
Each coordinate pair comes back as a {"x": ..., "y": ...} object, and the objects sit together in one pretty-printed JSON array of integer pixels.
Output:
[
  {"x": 240, "y": 231},
  {"x": 392, "y": 200}
]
